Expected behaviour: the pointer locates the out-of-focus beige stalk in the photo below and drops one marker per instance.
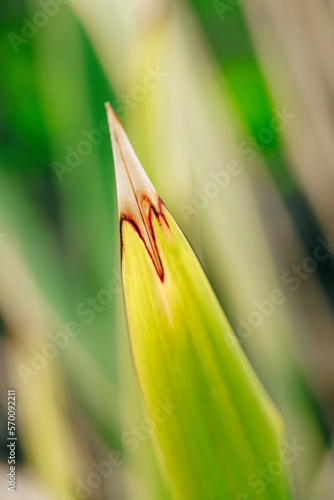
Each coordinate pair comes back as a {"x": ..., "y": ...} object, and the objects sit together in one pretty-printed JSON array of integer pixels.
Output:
[{"x": 42, "y": 428}]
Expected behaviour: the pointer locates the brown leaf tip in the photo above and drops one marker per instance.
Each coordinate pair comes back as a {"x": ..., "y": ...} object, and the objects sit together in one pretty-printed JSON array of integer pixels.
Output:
[{"x": 138, "y": 201}]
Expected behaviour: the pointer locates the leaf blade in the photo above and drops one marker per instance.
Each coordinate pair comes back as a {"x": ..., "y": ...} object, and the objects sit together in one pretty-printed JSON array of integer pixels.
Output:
[{"x": 184, "y": 349}]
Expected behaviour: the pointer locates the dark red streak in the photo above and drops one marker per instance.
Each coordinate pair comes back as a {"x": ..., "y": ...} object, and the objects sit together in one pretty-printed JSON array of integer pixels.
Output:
[{"x": 128, "y": 218}]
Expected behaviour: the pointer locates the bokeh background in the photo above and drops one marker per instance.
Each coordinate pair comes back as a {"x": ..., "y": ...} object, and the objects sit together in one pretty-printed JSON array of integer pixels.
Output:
[{"x": 229, "y": 105}]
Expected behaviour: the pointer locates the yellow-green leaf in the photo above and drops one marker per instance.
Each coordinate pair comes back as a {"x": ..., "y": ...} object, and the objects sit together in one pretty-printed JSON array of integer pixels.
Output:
[{"x": 221, "y": 433}]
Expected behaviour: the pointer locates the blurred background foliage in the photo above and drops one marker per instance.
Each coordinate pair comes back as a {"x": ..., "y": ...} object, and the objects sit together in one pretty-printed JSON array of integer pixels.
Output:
[{"x": 197, "y": 85}]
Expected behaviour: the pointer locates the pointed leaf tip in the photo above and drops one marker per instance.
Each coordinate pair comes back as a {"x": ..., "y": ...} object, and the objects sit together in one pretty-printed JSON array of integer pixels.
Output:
[{"x": 138, "y": 201}]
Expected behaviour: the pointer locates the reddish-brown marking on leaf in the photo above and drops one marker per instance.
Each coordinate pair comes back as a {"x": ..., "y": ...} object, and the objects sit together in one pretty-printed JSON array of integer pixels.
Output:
[{"x": 162, "y": 222}]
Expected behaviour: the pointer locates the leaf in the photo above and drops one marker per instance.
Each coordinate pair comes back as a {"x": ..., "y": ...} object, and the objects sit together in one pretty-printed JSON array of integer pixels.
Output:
[{"x": 215, "y": 426}]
